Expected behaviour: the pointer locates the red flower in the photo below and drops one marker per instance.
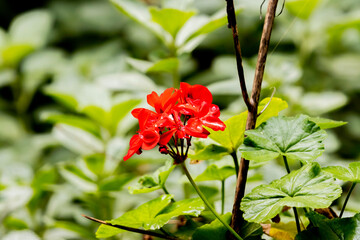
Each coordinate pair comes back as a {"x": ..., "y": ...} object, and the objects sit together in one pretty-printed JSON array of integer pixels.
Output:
[{"x": 179, "y": 114}]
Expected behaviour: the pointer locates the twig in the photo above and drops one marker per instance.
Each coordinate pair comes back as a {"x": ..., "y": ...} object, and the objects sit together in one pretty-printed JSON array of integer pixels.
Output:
[
  {"x": 232, "y": 24},
  {"x": 237, "y": 214},
  {"x": 150, "y": 233}
]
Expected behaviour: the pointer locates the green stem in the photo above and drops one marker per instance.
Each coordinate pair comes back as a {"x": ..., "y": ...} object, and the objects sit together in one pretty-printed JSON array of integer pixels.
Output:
[
  {"x": 286, "y": 165},
  {"x": 294, "y": 208},
  {"x": 236, "y": 163},
  {"x": 222, "y": 196},
  {"x": 166, "y": 192},
  {"x": 297, "y": 220},
  {"x": 347, "y": 198},
  {"x": 202, "y": 196}
]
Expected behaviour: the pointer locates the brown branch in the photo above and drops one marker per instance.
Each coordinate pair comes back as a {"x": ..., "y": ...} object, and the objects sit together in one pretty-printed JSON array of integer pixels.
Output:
[
  {"x": 237, "y": 214},
  {"x": 232, "y": 24},
  {"x": 136, "y": 230}
]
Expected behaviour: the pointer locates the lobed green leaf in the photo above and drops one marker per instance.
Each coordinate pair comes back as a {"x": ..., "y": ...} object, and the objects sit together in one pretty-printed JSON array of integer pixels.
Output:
[
  {"x": 331, "y": 229},
  {"x": 306, "y": 187},
  {"x": 294, "y": 137},
  {"x": 233, "y": 135},
  {"x": 352, "y": 173},
  {"x": 153, "y": 215}
]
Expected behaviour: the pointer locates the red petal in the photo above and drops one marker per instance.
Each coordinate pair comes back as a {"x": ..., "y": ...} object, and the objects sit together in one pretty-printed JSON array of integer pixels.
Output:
[
  {"x": 194, "y": 128},
  {"x": 147, "y": 118},
  {"x": 153, "y": 100},
  {"x": 136, "y": 111},
  {"x": 150, "y": 139},
  {"x": 165, "y": 137},
  {"x": 135, "y": 145},
  {"x": 214, "y": 123},
  {"x": 201, "y": 92}
]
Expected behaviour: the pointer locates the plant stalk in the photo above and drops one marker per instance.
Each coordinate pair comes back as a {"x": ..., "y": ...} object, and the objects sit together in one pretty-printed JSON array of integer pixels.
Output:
[
  {"x": 236, "y": 163},
  {"x": 202, "y": 196},
  {"x": 222, "y": 196},
  {"x": 237, "y": 215},
  {"x": 286, "y": 164},
  {"x": 294, "y": 208},
  {"x": 297, "y": 220},
  {"x": 347, "y": 198}
]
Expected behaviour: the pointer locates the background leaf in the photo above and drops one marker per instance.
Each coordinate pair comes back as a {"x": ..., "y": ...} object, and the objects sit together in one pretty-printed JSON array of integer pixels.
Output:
[
  {"x": 164, "y": 18},
  {"x": 150, "y": 183},
  {"x": 213, "y": 172}
]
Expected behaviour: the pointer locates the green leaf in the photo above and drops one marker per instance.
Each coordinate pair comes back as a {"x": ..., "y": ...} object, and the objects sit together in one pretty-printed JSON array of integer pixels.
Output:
[
  {"x": 213, "y": 172},
  {"x": 324, "y": 123},
  {"x": 72, "y": 120},
  {"x": 206, "y": 152},
  {"x": 275, "y": 106},
  {"x": 216, "y": 230},
  {"x": 306, "y": 187},
  {"x": 144, "y": 216},
  {"x": 12, "y": 223},
  {"x": 153, "y": 215},
  {"x": 233, "y": 135},
  {"x": 76, "y": 228},
  {"x": 196, "y": 29},
  {"x": 352, "y": 173},
  {"x": 114, "y": 183},
  {"x": 118, "y": 112},
  {"x": 170, "y": 19},
  {"x": 164, "y": 65},
  {"x": 331, "y": 229},
  {"x": 35, "y": 25},
  {"x": 78, "y": 140},
  {"x": 302, "y": 8},
  {"x": 14, "y": 53},
  {"x": 168, "y": 65},
  {"x": 95, "y": 163},
  {"x": 139, "y": 13},
  {"x": 150, "y": 183},
  {"x": 294, "y": 137},
  {"x": 189, "y": 207}
]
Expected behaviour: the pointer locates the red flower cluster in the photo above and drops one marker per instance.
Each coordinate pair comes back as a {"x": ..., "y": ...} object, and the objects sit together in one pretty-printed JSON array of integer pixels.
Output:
[{"x": 179, "y": 114}]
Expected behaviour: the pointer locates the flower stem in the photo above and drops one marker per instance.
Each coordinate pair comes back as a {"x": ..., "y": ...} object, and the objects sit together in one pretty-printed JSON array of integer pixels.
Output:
[
  {"x": 202, "y": 196},
  {"x": 222, "y": 196},
  {"x": 236, "y": 163},
  {"x": 347, "y": 198},
  {"x": 294, "y": 208}
]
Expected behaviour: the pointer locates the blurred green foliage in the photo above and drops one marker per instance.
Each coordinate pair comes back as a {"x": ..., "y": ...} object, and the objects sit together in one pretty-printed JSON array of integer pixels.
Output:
[{"x": 71, "y": 71}]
